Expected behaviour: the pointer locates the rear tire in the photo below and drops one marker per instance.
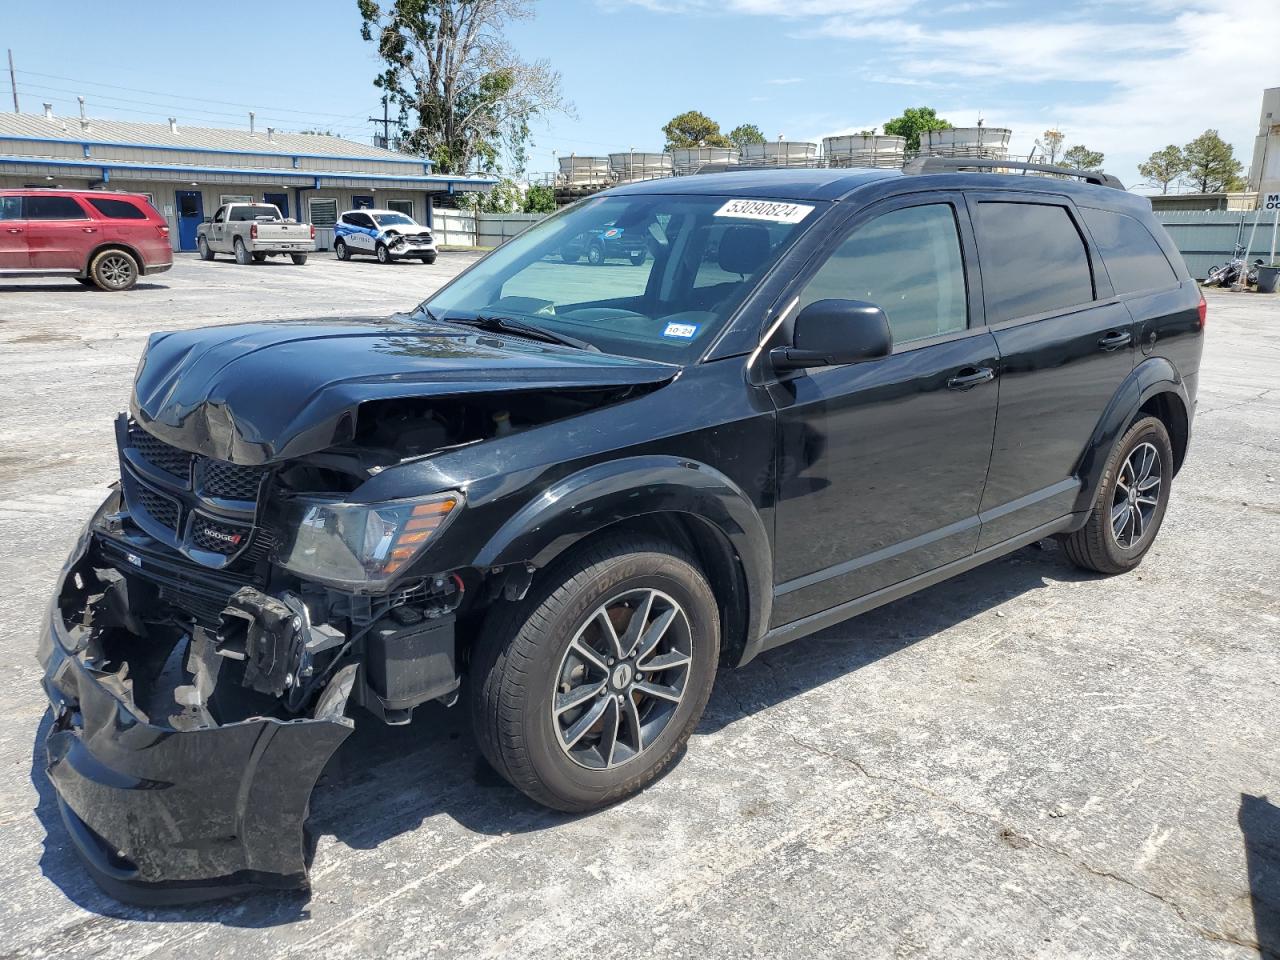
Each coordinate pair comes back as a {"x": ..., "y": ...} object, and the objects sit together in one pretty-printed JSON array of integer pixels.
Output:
[
  {"x": 1131, "y": 502},
  {"x": 203, "y": 246},
  {"x": 570, "y": 255},
  {"x": 242, "y": 253},
  {"x": 340, "y": 250},
  {"x": 298, "y": 258},
  {"x": 114, "y": 270},
  {"x": 632, "y": 713}
]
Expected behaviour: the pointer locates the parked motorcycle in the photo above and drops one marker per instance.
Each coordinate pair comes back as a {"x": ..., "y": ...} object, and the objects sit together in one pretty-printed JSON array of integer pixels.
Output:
[{"x": 1227, "y": 274}]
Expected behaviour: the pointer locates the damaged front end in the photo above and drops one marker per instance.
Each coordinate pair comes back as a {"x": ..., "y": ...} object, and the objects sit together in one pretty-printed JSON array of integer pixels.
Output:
[{"x": 194, "y": 711}]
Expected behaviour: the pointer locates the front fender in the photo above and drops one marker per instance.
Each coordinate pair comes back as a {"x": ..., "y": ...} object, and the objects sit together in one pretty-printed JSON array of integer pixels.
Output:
[
  {"x": 603, "y": 494},
  {"x": 1150, "y": 377}
]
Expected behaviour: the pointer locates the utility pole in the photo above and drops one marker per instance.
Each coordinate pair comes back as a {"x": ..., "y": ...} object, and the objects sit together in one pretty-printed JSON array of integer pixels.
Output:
[
  {"x": 13, "y": 84},
  {"x": 386, "y": 123}
]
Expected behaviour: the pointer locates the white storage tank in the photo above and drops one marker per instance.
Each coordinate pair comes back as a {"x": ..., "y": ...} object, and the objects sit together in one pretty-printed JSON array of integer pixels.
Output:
[
  {"x": 634, "y": 165},
  {"x": 782, "y": 153},
  {"x": 578, "y": 171},
  {"x": 865, "y": 150},
  {"x": 991, "y": 143},
  {"x": 690, "y": 160}
]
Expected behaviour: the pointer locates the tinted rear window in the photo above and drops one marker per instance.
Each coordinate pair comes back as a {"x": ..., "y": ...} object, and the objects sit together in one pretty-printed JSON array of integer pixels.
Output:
[
  {"x": 1132, "y": 256},
  {"x": 1033, "y": 259},
  {"x": 247, "y": 212},
  {"x": 53, "y": 208},
  {"x": 117, "y": 209}
]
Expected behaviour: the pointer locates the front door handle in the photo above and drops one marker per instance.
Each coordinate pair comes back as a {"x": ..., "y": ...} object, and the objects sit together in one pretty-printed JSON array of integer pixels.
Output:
[
  {"x": 1115, "y": 339},
  {"x": 970, "y": 377},
  {"x": 15, "y": 229},
  {"x": 89, "y": 229}
]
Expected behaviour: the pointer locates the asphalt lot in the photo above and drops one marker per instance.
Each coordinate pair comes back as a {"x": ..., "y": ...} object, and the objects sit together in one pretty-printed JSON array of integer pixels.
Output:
[{"x": 1023, "y": 762}]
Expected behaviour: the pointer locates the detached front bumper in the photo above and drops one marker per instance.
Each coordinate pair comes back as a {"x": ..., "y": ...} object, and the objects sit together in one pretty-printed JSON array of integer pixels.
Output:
[{"x": 164, "y": 815}]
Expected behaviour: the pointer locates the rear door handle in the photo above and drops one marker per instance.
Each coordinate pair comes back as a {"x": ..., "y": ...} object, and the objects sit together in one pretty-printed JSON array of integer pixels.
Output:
[
  {"x": 15, "y": 229},
  {"x": 89, "y": 229},
  {"x": 970, "y": 377},
  {"x": 1115, "y": 339}
]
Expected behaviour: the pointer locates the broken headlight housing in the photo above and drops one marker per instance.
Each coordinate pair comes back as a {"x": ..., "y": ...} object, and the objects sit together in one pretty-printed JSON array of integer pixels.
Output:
[{"x": 358, "y": 546}]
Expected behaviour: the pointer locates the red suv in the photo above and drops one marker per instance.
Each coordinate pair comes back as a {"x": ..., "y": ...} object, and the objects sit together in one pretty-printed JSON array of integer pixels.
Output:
[{"x": 104, "y": 239}]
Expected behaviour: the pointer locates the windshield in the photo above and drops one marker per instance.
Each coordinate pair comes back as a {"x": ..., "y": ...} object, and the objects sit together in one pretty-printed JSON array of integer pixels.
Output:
[
  {"x": 645, "y": 276},
  {"x": 393, "y": 220},
  {"x": 256, "y": 212}
]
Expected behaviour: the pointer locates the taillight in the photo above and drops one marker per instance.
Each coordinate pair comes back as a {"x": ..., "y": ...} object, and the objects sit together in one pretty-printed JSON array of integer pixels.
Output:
[
  {"x": 313, "y": 231},
  {"x": 1203, "y": 310},
  {"x": 253, "y": 231}
]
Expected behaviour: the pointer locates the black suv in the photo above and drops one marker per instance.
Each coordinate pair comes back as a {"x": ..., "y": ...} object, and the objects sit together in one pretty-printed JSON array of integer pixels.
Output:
[{"x": 568, "y": 496}]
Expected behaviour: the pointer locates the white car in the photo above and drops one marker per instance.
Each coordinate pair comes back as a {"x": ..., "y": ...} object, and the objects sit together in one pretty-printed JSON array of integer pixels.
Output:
[{"x": 386, "y": 234}]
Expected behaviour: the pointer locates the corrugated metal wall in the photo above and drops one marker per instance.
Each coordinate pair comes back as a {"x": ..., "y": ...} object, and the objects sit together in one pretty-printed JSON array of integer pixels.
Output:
[{"x": 1207, "y": 238}]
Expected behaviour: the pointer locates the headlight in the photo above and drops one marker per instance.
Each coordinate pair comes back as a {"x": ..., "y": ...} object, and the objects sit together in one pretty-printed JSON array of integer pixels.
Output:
[{"x": 358, "y": 545}]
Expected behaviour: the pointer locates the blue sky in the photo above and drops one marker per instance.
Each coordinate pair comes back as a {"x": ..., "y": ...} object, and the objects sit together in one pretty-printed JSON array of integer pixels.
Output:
[{"x": 1124, "y": 79}]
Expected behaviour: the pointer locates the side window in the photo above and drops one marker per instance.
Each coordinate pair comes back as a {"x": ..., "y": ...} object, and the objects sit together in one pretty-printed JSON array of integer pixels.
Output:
[
  {"x": 1033, "y": 259},
  {"x": 908, "y": 263},
  {"x": 10, "y": 208},
  {"x": 1132, "y": 256},
  {"x": 54, "y": 208},
  {"x": 221, "y": 215},
  {"x": 117, "y": 209},
  {"x": 362, "y": 220}
]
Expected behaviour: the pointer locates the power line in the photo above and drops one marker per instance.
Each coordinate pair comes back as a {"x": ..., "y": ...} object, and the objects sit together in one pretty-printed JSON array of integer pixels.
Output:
[{"x": 161, "y": 93}]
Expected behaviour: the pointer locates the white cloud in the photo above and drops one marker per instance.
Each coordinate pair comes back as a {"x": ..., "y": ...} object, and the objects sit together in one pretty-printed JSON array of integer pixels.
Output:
[{"x": 1125, "y": 80}]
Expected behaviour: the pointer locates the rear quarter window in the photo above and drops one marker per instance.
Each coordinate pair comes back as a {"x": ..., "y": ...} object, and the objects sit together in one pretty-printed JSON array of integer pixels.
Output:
[
  {"x": 1033, "y": 259},
  {"x": 117, "y": 209},
  {"x": 1132, "y": 256}
]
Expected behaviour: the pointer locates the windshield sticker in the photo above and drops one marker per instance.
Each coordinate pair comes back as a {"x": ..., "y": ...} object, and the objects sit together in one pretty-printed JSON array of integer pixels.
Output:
[
  {"x": 680, "y": 331},
  {"x": 771, "y": 210}
]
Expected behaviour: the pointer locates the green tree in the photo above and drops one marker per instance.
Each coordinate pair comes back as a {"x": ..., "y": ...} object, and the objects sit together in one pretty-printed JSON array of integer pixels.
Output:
[
  {"x": 1081, "y": 157},
  {"x": 464, "y": 95},
  {"x": 540, "y": 198},
  {"x": 1164, "y": 167},
  {"x": 1050, "y": 144},
  {"x": 913, "y": 122},
  {"x": 504, "y": 197},
  {"x": 745, "y": 133},
  {"x": 693, "y": 129},
  {"x": 1211, "y": 163}
]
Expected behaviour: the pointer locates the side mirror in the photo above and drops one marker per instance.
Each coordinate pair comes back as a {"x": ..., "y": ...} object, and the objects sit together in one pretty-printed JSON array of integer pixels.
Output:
[{"x": 830, "y": 333}]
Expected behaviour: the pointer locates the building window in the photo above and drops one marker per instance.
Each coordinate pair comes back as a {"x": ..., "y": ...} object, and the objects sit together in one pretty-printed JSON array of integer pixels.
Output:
[
  {"x": 324, "y": 211},
  {"x": 401, "y": 206},
  {"x": 234, "y": 198}
]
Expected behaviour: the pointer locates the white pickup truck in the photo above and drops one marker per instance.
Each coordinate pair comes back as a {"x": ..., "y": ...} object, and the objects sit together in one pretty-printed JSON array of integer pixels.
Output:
[{"x": 252, "y": 232}]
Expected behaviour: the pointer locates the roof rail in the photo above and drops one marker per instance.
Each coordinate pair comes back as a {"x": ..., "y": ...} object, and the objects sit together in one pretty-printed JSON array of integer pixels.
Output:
[{"x": 952, "y": 164}]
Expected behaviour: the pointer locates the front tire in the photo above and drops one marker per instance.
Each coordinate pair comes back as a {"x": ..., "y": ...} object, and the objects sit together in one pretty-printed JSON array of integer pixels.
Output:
[
  {"x": 1131, "y": 502},
  {"x": 428, "y": 258},
  {"x": 114, "y": 270},
  {"x": 575, "y": 701},
  {"x": 243, "y": 257},
  {"x": 384, "y": 255}
]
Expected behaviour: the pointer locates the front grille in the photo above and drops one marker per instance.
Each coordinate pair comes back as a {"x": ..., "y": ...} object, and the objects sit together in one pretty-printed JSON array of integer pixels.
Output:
[
  {"x": 204, "y": 508},
  {"x": 217, "y": 536},
  {"x": 160, "y": 508},
  {"x": 228, "y": 481},
  {"x": 160, "y": 454}
]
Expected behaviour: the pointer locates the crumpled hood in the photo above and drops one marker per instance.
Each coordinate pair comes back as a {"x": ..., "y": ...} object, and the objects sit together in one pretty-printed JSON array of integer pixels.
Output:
[{"x": 260, "y": 392}]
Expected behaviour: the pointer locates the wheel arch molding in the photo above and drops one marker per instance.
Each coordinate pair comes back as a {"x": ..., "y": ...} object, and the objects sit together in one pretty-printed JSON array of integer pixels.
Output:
[
  {"x": 722, "y": 522},
  {"x": 1154, "y": 384},
  {"x": 120, "y": 245}
]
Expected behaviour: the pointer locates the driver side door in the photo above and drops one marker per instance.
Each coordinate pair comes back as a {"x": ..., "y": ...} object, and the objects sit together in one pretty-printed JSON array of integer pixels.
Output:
[{"x": 882, "y": 464}]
